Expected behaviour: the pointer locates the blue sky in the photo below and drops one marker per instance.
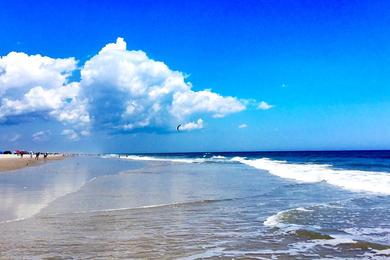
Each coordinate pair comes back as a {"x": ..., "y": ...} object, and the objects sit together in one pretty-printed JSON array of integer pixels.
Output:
[{"x": 322, "y": 65}]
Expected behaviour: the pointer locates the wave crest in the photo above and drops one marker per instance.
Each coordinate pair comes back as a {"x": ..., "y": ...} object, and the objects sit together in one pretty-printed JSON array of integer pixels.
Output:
[{"x": 352, "y": 180}]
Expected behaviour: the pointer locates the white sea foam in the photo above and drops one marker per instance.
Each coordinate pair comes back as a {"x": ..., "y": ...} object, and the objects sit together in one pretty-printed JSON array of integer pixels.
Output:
[
  {"x": 216, "y": 158},
  {"x": 173, "y": 204},
  {"x": 376, "y": 234},
  {"x": 308, "y": 249},
  {"x": 13, "y": 220},
  {"x": 305, "y": 246},
  {"x": 367, "y": 231},
  {"x": 353, "y": 180},
  {"x": 107, "y": 156},
  {"x": 276, "y": 220},
  {"x": 213, "y": 252},
  {"x": 121, "y": 209},
  {"x": 162, "y": 159}
]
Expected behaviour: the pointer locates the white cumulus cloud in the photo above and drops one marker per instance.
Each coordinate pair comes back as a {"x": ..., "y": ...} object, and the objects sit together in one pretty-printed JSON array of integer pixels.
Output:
[
  {"x": 70, "y": 134},
  {"x": 192, "y": 125},
  {"x": 126, "y": 90},
  {"x": 35, "y": 84},
  {"x": 243, "y": 126},
  {"x": 119, "y": 90},
  {"x": 191, "y": 102},
  {"x": 14, "y": 138},
  {"x": 264, "y": 106},
  {"x": 20, "y": 72},
  {"x": 41, "y": 135}
]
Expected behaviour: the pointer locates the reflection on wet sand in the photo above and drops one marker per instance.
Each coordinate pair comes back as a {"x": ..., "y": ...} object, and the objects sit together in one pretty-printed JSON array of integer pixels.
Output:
[{"x": 25, "y": 199}]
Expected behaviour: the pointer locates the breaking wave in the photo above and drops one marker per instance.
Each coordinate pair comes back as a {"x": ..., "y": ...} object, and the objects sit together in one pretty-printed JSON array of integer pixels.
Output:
[
  {"x": 163, "y": 159},
  {"x": 212, "y": 159},
  {"x": 352, "y": 180}
]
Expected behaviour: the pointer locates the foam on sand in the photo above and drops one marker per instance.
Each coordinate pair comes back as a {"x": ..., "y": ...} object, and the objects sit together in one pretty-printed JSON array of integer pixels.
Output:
[{"x": 353, "y": 180}]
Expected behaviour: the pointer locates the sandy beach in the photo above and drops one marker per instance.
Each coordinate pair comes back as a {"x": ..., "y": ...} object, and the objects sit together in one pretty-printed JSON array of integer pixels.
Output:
[{"x": 9, "y": 162}]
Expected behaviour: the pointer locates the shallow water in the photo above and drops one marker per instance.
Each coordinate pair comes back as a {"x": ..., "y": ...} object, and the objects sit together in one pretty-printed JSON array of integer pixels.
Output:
[{"x": 90, "y": 207}]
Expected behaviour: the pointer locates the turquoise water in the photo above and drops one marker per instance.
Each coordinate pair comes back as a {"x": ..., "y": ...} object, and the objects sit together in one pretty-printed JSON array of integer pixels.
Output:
[{"x": 196, "y": 206}]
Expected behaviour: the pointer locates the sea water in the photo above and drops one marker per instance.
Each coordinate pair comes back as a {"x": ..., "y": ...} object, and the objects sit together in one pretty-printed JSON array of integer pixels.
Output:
[{"x": 200, "y": 205}]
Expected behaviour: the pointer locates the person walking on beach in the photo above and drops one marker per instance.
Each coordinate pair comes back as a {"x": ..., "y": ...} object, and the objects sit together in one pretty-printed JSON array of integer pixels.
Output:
[{"x": 37, "y": 156}]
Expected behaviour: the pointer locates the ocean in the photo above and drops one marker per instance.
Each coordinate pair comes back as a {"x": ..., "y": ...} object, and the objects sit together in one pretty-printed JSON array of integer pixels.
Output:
[{"x": 241, "y": 205}]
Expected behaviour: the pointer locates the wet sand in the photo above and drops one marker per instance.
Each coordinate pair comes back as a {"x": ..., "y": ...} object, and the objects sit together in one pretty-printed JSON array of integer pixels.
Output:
[{"x": 9, "y": 162}]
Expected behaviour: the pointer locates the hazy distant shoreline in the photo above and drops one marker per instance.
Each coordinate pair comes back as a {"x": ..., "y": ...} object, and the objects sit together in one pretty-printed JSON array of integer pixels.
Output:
[{"x": 9, "y": 162}]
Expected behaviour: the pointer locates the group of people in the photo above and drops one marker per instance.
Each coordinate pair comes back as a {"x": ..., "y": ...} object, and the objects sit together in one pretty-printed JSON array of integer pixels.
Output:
[{"x": 36, "y": 155}]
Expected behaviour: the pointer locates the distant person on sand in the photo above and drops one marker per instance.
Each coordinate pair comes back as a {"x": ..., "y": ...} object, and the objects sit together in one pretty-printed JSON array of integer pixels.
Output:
[
  {"x": 37, "y": 156},
  {"x": 45, "y": 155}
]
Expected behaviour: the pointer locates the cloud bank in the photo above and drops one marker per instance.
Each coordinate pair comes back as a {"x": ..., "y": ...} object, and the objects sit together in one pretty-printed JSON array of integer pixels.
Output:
[{"x": 119, "y": 91}]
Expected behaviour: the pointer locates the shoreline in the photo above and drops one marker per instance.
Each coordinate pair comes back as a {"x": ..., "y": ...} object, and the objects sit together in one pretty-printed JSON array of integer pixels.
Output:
[{"x": 10, "y": 162}]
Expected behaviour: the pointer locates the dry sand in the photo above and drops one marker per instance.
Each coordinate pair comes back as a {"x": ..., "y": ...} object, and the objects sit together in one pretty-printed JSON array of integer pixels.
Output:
[{"x": 10, "y": 162}]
